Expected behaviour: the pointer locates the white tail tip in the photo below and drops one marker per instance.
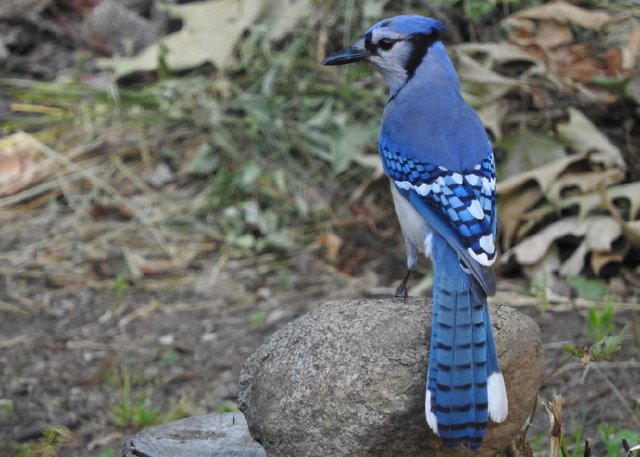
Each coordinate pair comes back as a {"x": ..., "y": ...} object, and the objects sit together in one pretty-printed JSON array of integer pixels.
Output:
[
  {"x": 497, "y": 397},
  {"x": 431, "y": 417}
]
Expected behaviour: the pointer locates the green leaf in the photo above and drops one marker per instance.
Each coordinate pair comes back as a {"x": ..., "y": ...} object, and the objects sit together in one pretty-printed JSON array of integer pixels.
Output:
[
  {"x": 574, "y": 351},
  {"x": 477, "y": 9},
  {"x": 609, "y": 345},
  {"x": 350, "y": 143},
  {"x": 589, "y": 289}
]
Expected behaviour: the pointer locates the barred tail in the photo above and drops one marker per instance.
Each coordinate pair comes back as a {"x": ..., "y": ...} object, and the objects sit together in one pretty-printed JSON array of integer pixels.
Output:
[{"x": 463, "y": 372}]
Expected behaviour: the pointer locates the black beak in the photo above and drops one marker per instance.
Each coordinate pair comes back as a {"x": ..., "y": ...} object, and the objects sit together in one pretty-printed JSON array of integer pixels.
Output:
[{"x": 352, "y": 54}]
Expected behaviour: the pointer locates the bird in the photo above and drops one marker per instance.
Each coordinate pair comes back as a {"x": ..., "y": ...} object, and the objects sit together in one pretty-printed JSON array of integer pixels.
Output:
[{"x": 440, "y": 162}]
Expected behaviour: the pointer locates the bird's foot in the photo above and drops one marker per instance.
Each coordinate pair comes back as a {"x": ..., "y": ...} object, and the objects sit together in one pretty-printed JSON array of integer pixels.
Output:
[{"x": 402, "y": 291}]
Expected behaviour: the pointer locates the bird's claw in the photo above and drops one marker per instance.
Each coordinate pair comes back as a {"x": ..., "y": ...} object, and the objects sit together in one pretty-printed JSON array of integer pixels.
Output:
[{"x": 402, "y": 292}]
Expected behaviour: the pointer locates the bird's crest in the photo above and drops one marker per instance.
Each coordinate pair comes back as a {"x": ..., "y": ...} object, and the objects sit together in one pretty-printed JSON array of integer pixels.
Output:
[{"x": 410, "y": 25}]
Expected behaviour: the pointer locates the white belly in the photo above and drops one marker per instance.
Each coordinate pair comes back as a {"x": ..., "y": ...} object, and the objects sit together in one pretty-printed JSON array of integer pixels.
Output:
[{"x": 417, "y": 233}]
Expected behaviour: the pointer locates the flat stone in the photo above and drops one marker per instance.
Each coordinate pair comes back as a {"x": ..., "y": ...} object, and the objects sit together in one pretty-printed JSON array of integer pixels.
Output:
[
  {"x": 348, "y": 379},
  {"x": 200, "y": 436}
]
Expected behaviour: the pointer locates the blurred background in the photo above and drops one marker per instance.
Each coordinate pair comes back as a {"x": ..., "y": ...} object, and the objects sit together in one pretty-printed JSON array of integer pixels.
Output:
[{"x": 180, "y": 179}]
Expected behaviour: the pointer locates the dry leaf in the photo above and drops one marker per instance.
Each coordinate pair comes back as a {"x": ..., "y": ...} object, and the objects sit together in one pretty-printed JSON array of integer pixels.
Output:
[
  {"x": 581, "y": 183},
  {"x": 551, "y": 34},
  {"x": 479, "y": 84},
  {"x": 17, "y": 163},
  {"x": 631, "y": 51},
  {"x": 210, "y": 32},
  {"x": 598, "y": 233},
  {"x": 566, "y": 13},
  {"x": 544, "y": 176},
  {"x": 583, "y": 136},
  {"x": 331, "y": 243},
  {"x": 600, "y": 259},
  {"x": 554, "y": 410}
]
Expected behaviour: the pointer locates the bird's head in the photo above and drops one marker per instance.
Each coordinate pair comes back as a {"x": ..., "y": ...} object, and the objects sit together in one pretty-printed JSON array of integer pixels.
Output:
[{"x": 395, "y": 47}]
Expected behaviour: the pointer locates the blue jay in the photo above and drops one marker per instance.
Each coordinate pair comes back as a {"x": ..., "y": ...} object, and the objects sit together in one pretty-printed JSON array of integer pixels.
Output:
[{"x": 436, "y": 153}]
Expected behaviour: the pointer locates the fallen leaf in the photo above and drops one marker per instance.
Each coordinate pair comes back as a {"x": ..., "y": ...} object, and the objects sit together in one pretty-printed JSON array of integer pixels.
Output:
[
  {"x": 512, "y": 208},
  {"x": 631, "y": 51},
  {"x": 209, "y": 33},
  {"x": 284, "y": 17},
  {"x": 600, "y": 259},
  {"x": 597, "y": 232},
  {"x": 544, "y": 176},
  {"x": 331, "y": 243},
  {"x": 566, "y": 13},
  {"x": 583, "y": 136},
  {"x": 211, "y": 29},
  {"x": 527, "y": 149},
  {"x": 481, "y": 85},
  {"x": 551, "y": 34},
  {"x": 17, "y": 163},
  {"x": 581, "y": 183}
]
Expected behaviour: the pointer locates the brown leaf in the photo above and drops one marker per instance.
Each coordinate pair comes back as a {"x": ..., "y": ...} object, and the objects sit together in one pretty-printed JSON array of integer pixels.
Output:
[
  {"x": 551, "y": 34},
  {"x": 600, "y": 259},
  {"x": 17, "y": 163},
  {"x": 583, "y": 136},
  {"x": 158, "y": 267},
  {"x": 513, "y": 205},
  {"x": 104, "y": 211},
  {"x": 566, "y": 13},
  {"x": 631, "y": 51},
  {"x": 332, "y": 244},
  {"x": 598, "y": 234}
]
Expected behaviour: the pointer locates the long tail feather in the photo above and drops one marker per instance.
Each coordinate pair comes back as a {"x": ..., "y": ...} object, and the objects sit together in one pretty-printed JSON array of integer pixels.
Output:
[{"x": 463, "y": 359}]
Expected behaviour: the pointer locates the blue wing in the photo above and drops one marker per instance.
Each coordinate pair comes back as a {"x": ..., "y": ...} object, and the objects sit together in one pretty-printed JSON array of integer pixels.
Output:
[{"x": 458, "y": 204}]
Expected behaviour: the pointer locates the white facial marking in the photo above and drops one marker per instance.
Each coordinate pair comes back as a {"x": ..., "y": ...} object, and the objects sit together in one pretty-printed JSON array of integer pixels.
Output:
[
  {"x": 475, "y": 208},
  {"x": 391, "y": 62}
]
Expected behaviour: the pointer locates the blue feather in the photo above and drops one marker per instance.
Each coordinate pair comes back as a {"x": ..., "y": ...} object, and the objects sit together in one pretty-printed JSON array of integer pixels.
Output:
[
  {"x": 437, "y": 154},
  {"x": 457, "y": 379}
]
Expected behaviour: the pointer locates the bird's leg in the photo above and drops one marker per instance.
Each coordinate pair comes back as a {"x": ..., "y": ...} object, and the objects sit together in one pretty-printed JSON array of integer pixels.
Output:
[{"x": 401, "y": 291}]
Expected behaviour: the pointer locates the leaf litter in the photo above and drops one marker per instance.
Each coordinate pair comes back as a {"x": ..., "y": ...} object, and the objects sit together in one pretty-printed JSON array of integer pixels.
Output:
[{"x": 155, "y": 183}]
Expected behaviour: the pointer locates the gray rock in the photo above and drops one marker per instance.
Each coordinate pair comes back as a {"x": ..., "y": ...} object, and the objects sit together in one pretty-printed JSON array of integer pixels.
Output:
[
  {"x": 18, "y": 9},
  {"x": 347, "y": 379},
  {"x": 122, "y": 30},
  {"x": 200, "y": 436}
]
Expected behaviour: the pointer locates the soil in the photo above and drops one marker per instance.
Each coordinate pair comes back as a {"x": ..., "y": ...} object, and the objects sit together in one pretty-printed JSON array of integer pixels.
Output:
[
  {"x": 69, "y": 348},
  {"x": 65, "y": 352}
]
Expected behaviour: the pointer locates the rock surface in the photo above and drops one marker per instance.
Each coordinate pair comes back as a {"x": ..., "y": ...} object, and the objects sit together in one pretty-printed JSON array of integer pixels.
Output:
[
  {"x": 123, "y": 31},
  {"x": 201, "y": 436},
  {"x": 347, "y": 379}
]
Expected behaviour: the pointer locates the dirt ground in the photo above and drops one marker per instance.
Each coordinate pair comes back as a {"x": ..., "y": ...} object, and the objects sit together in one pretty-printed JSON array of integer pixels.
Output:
[
  {"x": 65, "y": 352},
  {"x": 75, "y": 347}
]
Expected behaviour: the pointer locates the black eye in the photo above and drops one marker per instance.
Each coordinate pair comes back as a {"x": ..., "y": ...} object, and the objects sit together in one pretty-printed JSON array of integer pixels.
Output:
[{"x": 386, "y": 43}]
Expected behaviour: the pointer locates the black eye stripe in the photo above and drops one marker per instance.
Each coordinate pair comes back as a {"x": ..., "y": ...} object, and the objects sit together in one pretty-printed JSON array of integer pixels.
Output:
[{"x": 386, "y": 43}]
